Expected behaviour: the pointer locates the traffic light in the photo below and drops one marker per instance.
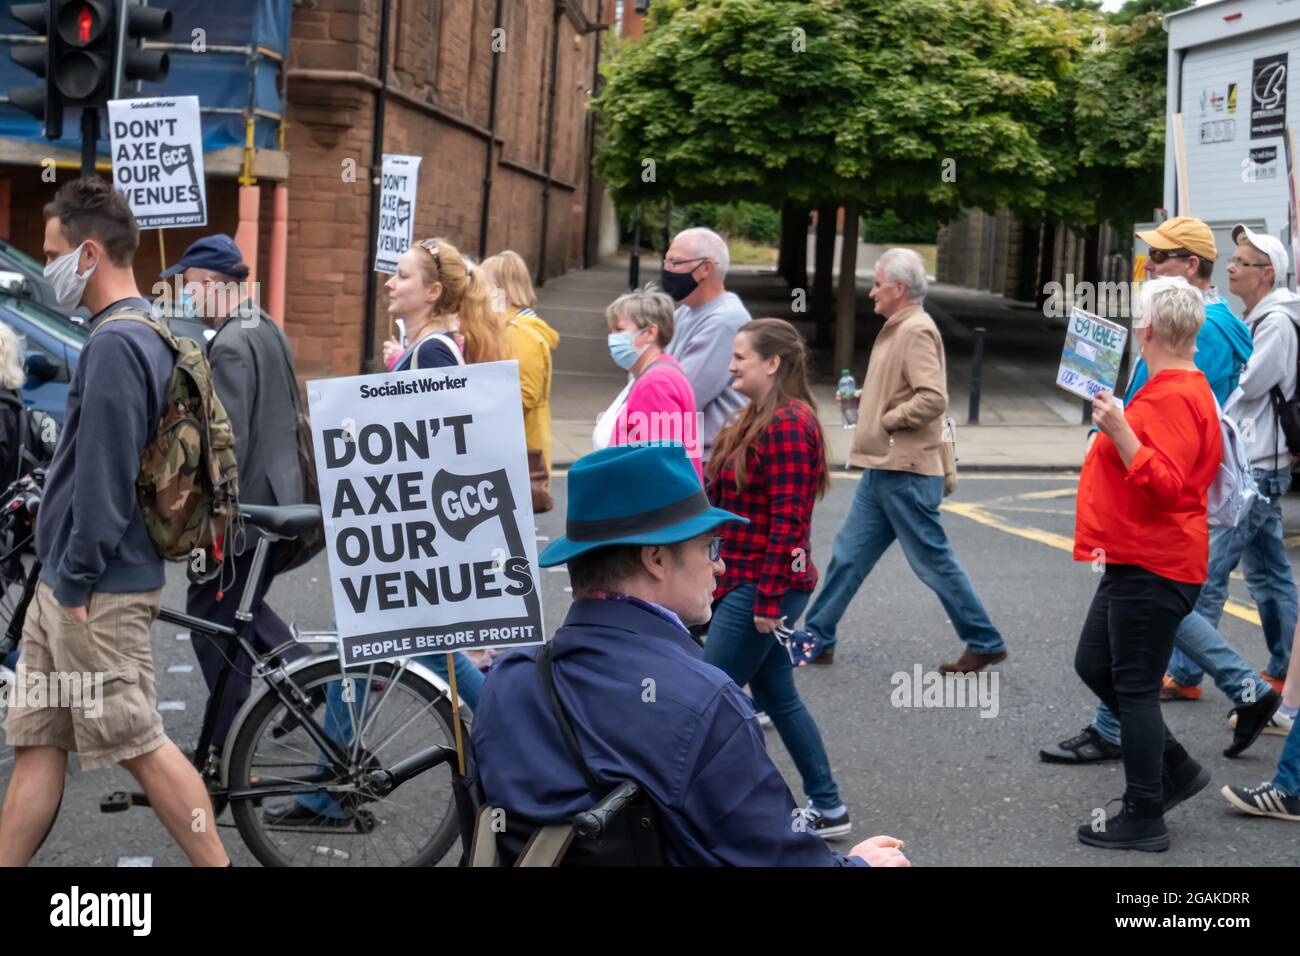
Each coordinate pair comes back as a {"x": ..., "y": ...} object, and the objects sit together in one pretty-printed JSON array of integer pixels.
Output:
[
  {"x": 40, "y": 101},
  {"x": 81, "y": 51},
  {"x": 134, "y": 62}
]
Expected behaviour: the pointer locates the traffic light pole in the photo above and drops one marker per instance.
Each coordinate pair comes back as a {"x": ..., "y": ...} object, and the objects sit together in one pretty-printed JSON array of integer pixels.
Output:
[{"x": 89, "y": 139}]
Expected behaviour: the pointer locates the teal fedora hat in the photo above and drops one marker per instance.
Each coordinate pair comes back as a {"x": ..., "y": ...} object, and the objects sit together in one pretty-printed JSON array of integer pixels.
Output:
[{"x": 633, "y": 494}]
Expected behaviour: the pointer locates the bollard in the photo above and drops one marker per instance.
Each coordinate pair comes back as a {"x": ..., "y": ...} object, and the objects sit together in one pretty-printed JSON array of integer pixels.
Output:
[
  {"x": 634, "y": 262},
  {"x": 976, "y": 373}
]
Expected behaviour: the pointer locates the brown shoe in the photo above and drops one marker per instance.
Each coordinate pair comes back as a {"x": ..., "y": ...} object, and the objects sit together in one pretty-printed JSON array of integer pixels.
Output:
[
  {"x": 825, "y": 657},
  {"x": 969, "y": 662}
]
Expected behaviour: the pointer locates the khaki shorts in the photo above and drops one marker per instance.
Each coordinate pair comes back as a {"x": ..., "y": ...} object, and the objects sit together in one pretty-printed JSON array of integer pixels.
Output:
[{"x": 87, "y": 687}]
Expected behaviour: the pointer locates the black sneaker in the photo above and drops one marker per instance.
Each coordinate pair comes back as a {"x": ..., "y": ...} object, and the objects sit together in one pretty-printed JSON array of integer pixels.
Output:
[
  {"x": 1086, "y": 747},
  {"x": 1187, "y": 780},
  {"x": 1265, "y": 800},
  {"x": 291, "y": 813},
  {"x": 1127, "y": 831},
  {"x": 824, "y": 824},
  {"x": 1251, "y": 721}
]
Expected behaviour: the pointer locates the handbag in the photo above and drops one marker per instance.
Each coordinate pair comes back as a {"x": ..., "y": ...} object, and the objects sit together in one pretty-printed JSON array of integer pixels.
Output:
[{"x": 948, "y": 453}]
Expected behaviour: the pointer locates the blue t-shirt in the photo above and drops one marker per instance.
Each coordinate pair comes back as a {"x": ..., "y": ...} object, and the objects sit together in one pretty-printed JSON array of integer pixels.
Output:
[
  {"x": 434, "y": 353},
  {"x": 1223, "y": 347}
]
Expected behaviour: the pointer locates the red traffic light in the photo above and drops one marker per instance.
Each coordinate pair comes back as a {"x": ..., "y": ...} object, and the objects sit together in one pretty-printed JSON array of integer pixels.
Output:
[{"x": 81, "y": 24}]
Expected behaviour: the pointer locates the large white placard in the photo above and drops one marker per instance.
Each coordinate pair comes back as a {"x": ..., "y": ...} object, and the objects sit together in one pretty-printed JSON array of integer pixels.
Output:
[
  {"x": 401, "y": 178},
  {"x": 157, "y": 149},
  {"x": 428, "y": 511}
]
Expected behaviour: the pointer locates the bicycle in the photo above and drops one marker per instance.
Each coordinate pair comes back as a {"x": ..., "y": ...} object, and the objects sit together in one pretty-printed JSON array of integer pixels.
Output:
[{"x": 278, "y": 746}]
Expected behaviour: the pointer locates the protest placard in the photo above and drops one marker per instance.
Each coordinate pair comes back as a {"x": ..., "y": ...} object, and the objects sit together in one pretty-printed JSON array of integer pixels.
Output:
[
  {"x": 157, "y": 148},
  {"x": 428, "y": 511},
  {"x": 1091, "y": 358},
  {"x": 401, "y": 177}
]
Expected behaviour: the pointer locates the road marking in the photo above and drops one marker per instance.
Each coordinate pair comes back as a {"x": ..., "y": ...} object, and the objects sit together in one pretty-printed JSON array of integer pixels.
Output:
[
  {"x": 543, "y": 537},
  {"x": 182, "y": 635},
  {"x": 171, "y": 705},
  {"x": 1053, "y": 493},
  {"x": 135, "y": 861},
  {"x": 179, "y": 668},
  {"x": 1061, "y": 542},
  {"x": 558, "y": 570}
]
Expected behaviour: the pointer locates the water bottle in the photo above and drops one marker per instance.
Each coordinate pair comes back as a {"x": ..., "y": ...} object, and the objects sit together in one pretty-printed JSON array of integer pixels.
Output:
[{"x": 844, "y": 394}]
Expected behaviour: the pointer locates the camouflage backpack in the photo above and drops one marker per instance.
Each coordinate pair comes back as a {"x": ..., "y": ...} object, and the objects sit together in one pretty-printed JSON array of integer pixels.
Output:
[{"x": 189, "y": 480}]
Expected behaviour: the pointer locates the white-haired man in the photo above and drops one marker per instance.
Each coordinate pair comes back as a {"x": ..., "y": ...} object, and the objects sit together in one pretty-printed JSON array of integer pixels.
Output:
[
  {"x": 707, "y": 320},
  {"x": 897, "y": 440}
]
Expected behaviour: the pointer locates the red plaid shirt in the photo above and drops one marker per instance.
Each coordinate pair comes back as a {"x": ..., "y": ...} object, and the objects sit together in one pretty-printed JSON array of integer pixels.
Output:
[{"x": 774, "y": 550}]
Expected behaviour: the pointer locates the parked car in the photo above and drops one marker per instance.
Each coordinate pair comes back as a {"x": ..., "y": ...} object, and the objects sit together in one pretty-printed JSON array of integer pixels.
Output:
[{"x": 51, "y": 345}]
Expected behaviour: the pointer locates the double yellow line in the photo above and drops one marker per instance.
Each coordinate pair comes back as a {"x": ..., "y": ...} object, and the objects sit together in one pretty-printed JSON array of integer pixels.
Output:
[{"x": 1060, "y": 541}]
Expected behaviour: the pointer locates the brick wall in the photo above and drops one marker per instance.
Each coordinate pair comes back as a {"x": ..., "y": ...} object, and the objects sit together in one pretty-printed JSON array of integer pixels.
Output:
[{"x": 441, "y": 54}]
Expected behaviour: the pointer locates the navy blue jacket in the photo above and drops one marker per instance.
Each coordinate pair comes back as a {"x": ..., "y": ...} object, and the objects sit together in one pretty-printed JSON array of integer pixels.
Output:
[
  {"x": 645, "y": 706},
  {"x": 90, "y": 533}
]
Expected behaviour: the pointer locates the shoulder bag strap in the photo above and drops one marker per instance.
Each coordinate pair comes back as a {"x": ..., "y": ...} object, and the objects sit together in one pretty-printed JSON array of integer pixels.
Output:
[{"x": 544, "y": 671}]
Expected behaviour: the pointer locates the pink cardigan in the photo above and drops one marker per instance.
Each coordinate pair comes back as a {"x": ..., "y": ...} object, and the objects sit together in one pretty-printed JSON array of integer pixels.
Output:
[{"x": 661, "y": 408}]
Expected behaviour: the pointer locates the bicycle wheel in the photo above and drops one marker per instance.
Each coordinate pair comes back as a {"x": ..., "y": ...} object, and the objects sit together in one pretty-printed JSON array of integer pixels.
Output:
[{"x": 389, "y": 717}]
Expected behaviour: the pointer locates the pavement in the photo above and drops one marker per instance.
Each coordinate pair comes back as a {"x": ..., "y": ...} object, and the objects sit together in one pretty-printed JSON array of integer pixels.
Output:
[
  {"x": 1025, "y": 422},
  {"x": 961, "y": 788}
]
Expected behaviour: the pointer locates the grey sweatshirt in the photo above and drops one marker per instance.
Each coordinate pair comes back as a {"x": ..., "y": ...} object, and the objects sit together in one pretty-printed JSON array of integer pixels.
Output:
[
  {"x": 90, "y": 532},
  {"x": 701, "y": 343},
  {"x": 1273, "y": 323}
]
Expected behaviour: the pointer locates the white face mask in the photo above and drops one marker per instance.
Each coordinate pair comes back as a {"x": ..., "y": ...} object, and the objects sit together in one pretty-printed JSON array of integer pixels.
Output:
[{"x": 68, "y": 286}]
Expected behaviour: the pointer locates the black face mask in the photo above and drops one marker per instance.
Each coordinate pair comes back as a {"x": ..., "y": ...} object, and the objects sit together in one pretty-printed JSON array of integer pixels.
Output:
[{"x": 678, "y": 284}]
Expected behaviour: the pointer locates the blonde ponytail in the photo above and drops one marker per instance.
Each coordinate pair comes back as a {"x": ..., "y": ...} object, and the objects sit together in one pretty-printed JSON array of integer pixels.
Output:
[{"x": 485, "y": 334}]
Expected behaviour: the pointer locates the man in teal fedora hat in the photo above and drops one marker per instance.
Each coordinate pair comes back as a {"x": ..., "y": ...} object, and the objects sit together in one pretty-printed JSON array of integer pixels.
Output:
[{"x": 642, "y": 550}]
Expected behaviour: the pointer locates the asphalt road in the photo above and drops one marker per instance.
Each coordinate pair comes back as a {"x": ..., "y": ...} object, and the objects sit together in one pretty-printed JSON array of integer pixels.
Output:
[{"x": 962, "y": 789}]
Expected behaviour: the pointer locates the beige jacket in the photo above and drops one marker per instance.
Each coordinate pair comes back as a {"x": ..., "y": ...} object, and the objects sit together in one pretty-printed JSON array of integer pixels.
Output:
[{"x": 900, "y": 416}]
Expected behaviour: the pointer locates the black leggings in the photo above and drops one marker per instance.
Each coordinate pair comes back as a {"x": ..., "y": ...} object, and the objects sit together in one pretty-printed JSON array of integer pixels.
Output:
[{"x": 1122, "y": 655}]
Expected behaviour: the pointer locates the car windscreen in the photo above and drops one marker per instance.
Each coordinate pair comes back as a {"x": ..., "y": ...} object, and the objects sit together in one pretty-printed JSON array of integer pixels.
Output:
[
  {"x": 56, "y": 325},
  {"x": 10, "y": 251}
]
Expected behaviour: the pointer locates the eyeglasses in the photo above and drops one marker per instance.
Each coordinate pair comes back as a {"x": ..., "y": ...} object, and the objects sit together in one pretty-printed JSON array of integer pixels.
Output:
[
  {"x": 682, "y": 262},
  {"x": 1160, "y": 255},
  {"x": 431, "y": 247},
  {"x": 1238, "y": 261},
  {"x": 715, "y": 548}
]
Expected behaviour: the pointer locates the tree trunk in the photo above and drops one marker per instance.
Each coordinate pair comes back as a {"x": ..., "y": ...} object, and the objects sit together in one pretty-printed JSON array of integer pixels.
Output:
[
  {"x": 846, "y": 301},
  {"x": 823, "y": 262},
  {"x": 1046, "y": 261},
  {"x": 793, "y": 260}
]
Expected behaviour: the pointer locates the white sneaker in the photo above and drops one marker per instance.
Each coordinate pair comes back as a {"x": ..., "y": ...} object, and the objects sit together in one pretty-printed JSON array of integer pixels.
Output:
[
  {"x": 1279, "y": 725},
  {"x": 764, "y": 721}
]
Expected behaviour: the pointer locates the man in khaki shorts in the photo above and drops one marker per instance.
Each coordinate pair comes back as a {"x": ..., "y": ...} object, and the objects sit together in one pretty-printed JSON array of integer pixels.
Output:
[{"x": 85, "y": 641}]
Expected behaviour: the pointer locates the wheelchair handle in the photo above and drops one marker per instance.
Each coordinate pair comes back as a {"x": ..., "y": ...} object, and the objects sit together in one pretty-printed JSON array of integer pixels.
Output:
[{"x": 591, "y": 823}]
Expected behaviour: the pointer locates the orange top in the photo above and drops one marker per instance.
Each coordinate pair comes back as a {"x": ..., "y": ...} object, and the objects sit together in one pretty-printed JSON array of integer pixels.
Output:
[{"x": 1153, "y": 514}]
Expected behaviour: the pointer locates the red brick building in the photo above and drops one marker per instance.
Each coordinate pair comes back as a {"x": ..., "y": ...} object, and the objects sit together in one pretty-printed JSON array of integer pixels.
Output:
[{"x": 436, "y": 104}]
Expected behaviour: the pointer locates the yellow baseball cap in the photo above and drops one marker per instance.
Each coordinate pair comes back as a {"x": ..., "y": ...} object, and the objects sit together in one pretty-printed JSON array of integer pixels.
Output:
[{"x": 1182, "y": 232}]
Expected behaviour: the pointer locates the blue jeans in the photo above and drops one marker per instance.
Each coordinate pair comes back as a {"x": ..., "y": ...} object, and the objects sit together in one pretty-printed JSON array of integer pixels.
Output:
[
  {"x": 338, "y": 720},
  {"x": 899, "y": 504},
  {"x": 1198, "y": 640},
  {"x": 1256, "y": 542},
  {"x": 736, "y": 647},
  {"x": 1288, "y": 765}
]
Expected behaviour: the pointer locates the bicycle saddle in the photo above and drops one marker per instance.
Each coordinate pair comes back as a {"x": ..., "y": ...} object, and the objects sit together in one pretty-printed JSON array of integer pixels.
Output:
[{"x": 287, "y": 521}]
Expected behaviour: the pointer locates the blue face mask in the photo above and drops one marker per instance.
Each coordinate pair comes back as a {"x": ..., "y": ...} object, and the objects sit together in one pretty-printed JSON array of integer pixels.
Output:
[{"x": 622, "y": 351}]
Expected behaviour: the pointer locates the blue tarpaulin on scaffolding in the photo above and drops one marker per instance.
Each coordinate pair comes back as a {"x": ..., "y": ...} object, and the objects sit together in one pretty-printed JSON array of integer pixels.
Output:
[{"x": 223, "y": 80}]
